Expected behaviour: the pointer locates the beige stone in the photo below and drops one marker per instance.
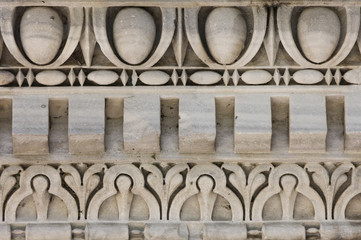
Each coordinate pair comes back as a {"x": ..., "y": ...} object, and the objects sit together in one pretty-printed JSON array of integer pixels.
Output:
[
  {"x": 108, "y": 231},
  {"x": 252, "y": 123},
  {"x": 134, "y": 33},
  {"x": 141, "y": 128},
  {"x": 226, "y": 32},
  {"x": 86, "y": 124},
  {"x": 283, "y": 231},
  {"x": 159, "y": 231},
  {"x": 50, "y": 77},
  {"x": 226, "y": 231},
  {"x": 352, "y": 123},
  {"x": 48, "y": 231},
  {"x": 308, "y": 126},
  {"x": 30, "y": 129},
  {"x": 319, "y": 31},
  {"x": 41, "y": 33},
  {"x": 197, "y": 124},
  {"x": 103, "y": 77}
]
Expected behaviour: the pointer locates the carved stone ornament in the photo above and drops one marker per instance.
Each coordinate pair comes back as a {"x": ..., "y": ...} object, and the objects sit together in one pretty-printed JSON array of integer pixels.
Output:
[{"x": 163, "y": 119}]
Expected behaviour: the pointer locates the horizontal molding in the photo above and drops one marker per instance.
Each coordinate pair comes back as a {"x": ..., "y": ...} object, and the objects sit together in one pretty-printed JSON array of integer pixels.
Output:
[{"x": 180, "y": 3}]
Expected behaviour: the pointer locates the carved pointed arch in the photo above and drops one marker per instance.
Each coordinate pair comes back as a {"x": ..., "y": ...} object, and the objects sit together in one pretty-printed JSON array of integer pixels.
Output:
[
  {"x": 220, "y": 188},
  {"x": 110, "y": 190},
  {"x": 55, "y": 188},
  {"x": 274, "y": 187}
]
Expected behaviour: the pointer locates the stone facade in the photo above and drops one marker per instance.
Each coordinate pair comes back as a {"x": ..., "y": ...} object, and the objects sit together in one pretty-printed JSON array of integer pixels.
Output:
[{"x": 184, "y": 119}]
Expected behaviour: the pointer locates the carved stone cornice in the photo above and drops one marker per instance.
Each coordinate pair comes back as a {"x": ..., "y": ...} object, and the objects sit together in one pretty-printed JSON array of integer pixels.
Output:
[{"x": 180, "y": 119}]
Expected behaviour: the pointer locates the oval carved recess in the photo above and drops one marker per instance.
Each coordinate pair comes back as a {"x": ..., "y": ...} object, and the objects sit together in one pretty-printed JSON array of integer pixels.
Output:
[
  {"x": 259, "y": 31},
  {"x": 318, "y": 32},
  {"x": 306, "y": 34},
  {"x": 100, "y": 22},
  {"x": 226, "y": 33},
  {"x": 48, "y": 37},
  {"x": 134, "y": 34},
  {"x": 41, "y": 34}
]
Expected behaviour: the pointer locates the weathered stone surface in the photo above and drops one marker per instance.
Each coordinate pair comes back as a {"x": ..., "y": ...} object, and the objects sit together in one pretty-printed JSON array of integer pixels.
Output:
[
  {"x": 352, "y": 123},
  {"x": 5, "y": 232},
  {"x": 226, "y": 231},
  {"x": 30, "y": 128},
  {"x": 41, "y": 34},
  {"x": 86, "y": 124},
  {"x": 308, "y": 76},
  {"x": 340, "y": 230},
  {"x": 353, "y": 76},
  {"x": 308, "y": 126},
  {"x": 205, "y": 77},
  {"x": 50, "y": 77},
  {"x": 154, "y": 77},
  {"x": 142, "y": 124},
  {"x": 103, "y": 77},
  {"x": 283, "y": 231},
  {"x": 318, "y": 31},
  {"x": 48, "y": 231},
  {"x": 252, "y": 123},
  {"x": 108, "y": 231},
  {"x": 256, "y": 77},
  {"x": 134, "y": 33},
  {"x": 160, "y": 231},
  {"x": 226, "y": 32},
  {"x": 197, "y": 124},
  {"x": 6, "y": 77}
]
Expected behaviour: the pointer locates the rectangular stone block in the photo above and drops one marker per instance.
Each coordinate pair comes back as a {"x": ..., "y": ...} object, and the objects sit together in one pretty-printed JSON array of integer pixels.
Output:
[
  {"x": 308, "y": 123},
  {"x": 108, "y": 231},
  {"x": 197, "y": 124},
  {"x": 86, "y": 124},
  {"x": 48, "y": 231},
  {"x": 141, "y": 127},
  {"x": 252, "y": 123},
  {"x": 283, "y": 231},
  {"x": 5, "y": 232},
  {"x": 352, "y": 123},
  {"x": 30, "y": 125},
  {"x": 164, "y": 231}
]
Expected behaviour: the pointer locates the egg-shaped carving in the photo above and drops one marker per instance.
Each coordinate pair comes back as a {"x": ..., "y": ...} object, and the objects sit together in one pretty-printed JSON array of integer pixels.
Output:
[
  {"x": 134, "y": 32},
  {"x": 318, "y": 32},
  {"x": 225, "y": 32},
  {"x": 41, "y": 34}
]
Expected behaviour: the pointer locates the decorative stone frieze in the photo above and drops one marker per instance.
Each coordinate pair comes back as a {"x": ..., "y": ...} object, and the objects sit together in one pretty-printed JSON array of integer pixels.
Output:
[{"x": 210, "y": 119}]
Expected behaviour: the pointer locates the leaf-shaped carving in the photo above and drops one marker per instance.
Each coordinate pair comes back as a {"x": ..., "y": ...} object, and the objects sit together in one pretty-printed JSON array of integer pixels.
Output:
[
  {"x": 8, "y": 185},
  {"x": 70, "y": 181},
  {"x": 257, "y": 182},
  {"x": 155, "y": 181},
  {"x": 92, "y": 183},
  {"x": 174, "y": 179},
  {"x": 154, "y": 178},
  {"x": 340, "y": 181},
  {"x": 174, "y": 183},
  {"x": 319, "y": 175},
  {"x": 328, "y": 186}
]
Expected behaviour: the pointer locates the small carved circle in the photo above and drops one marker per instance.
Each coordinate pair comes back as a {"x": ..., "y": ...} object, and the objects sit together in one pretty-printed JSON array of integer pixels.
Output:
[{"x": 205, "y": 184}]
